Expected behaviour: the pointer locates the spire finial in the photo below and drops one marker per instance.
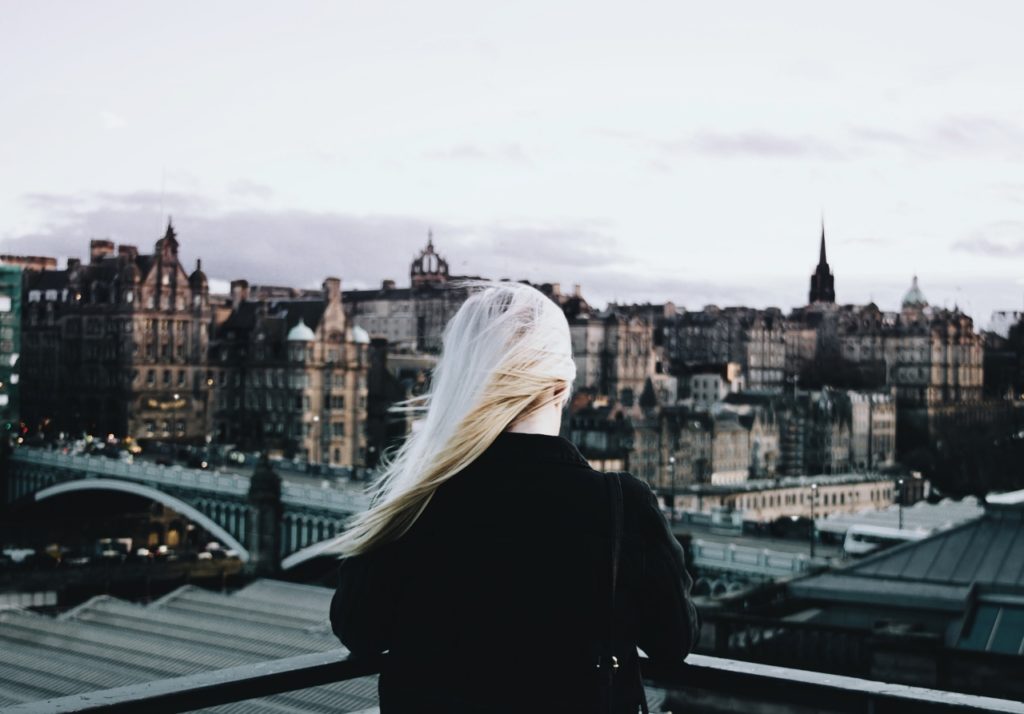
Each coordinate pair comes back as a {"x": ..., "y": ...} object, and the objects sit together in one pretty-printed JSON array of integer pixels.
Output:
[
  {"x": 430, "y": 240},
  {"x": 822, "y": 259}
]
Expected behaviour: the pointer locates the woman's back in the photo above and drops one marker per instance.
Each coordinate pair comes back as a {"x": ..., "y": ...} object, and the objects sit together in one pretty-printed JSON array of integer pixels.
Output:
[{"x": 498, "y": 597}]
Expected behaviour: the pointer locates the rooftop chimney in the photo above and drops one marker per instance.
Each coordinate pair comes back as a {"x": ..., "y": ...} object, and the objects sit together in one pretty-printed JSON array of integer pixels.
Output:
[
  {"x": 239, "y": 293},
  {"x": 332, "y": 290},
  {"x": 100, "y": 249}
]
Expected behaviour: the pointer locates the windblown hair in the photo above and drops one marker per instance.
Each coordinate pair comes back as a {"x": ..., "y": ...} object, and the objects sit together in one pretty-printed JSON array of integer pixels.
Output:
[{"x": 507, "y": 354}]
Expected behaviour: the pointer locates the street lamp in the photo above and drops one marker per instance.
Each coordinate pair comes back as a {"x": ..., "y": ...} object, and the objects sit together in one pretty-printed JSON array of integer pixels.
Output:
[
  {"x": 314, "y": 441},
  {"x": 174, "y": 416},
  {"x": 899, "y": 496},
  {"x": 814, "y": 524},
  {"x": 672, "y": 476}
]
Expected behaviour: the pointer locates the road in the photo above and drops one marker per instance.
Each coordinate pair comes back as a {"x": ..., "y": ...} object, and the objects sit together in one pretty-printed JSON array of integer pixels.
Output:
[{"x": 784, "y": 545}]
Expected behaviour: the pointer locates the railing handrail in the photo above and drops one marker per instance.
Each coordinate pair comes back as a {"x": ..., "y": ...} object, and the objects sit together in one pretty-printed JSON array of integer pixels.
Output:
[{"x": 700, "y": 672}]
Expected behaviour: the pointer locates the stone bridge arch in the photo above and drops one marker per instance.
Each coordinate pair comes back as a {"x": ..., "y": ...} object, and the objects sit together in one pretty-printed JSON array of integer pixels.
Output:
[{"x": 137, "y": 489}]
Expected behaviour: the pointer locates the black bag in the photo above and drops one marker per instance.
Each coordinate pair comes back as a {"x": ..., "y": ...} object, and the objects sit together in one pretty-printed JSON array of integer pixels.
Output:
[{"x": 609, "y": 662}]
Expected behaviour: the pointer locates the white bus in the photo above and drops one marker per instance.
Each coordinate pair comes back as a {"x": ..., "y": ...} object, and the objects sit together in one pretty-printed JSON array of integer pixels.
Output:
[{"x": 861, "y": 540}]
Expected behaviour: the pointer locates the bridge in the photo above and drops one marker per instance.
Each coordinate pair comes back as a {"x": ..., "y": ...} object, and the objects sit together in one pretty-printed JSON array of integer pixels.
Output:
[{"x": 283, "y": 519}]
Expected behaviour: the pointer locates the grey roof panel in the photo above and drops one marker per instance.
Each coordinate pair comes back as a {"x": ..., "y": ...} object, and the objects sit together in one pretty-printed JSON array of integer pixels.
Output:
[
  {"x": 992, "y": 561},
  {"x": 107, "y": 642}
]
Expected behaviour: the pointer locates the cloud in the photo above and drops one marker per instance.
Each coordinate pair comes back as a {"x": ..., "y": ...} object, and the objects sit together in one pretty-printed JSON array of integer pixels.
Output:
[
  {"x": 1002, "y": 239},
  {"x": 245, "y": 188},
  {"x": 957, "y": 136},
  {"x": 757, "y": 144},
  {"x": 300, "y": 248},
  {"x": 867, "y": 240},
  {"x": 512, "y": 152},
  {"x": 296, "y": 247}
]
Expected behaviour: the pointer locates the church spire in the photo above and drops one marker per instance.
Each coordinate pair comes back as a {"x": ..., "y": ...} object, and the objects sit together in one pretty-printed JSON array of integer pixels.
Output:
[
  {"x": 822, "y": 282},
  {"x": 822, "y": 260}
]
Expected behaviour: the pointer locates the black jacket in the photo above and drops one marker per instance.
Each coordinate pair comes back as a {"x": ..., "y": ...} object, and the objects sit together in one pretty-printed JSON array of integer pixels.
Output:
[{"x": 498, "y": 597}]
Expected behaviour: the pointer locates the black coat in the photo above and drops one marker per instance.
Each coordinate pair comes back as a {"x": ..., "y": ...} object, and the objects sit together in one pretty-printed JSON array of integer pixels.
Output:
[{"x": 498, "y": 597}]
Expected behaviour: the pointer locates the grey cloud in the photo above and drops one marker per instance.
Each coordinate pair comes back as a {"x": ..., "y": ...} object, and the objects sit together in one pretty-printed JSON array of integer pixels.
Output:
[
  {"x": 978, "y": 133},
  {"x": 866, "y": 240},
  {"x": 250, "y": 189},
  {"x": 760, "y": 144},
  {"x": 949, "y": 136},
  {"x": 883, "y": 136},
  {"x": 514, "y": 153},
  {"x": 1002, "y": 239}
]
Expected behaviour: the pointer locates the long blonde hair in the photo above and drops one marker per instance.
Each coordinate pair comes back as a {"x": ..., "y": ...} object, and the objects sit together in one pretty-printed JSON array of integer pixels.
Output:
[{"x": 507, "y": 354}]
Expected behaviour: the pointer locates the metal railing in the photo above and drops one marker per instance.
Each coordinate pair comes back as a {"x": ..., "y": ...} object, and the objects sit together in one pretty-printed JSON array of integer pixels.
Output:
[{"x": 703, "y": 684}]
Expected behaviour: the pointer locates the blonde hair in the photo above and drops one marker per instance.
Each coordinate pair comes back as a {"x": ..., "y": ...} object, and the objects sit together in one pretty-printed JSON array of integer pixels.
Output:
[{"x": 507, "y": 355}]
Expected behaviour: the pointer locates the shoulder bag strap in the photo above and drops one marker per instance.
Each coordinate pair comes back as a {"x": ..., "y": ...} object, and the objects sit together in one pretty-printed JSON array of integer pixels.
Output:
[{"x": 617, "y": 520}]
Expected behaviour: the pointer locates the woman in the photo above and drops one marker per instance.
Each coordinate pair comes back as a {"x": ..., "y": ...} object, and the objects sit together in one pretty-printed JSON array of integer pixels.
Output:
[{"x": 485, "y": 566}]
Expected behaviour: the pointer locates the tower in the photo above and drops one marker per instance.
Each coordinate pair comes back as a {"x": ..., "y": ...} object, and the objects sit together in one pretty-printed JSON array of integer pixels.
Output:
[
  {"x": 265, "y": 509},
  {"x": 822, "y": 282},
  {"x": 428, "y": 268}
]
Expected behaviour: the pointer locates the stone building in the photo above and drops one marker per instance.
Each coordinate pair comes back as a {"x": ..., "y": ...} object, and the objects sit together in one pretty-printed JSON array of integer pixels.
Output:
[
  {"x": 10, "y": 350},
  {"x": 614, "y": 353},
  {"x": 412, "y": 319},
  {"x": 767, "y": 500},
  {"x": 118, "y": 345},
  {"x": 872, "y": 429},
  {"x": 709, "y": 384},
  {"x": 754, "y": 339},
  {"x": 291, "y": 376}
]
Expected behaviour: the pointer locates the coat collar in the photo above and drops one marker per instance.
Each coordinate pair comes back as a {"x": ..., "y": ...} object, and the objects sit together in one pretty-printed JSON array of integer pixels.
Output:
[{"x": 513, "y": 446}]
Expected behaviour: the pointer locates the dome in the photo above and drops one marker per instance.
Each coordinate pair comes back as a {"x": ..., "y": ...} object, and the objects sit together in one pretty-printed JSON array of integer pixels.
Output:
[
  {"x": 914, "y": 296},
  {"x": 301, "y": 332},
  {"x": 360, "y": 336}
]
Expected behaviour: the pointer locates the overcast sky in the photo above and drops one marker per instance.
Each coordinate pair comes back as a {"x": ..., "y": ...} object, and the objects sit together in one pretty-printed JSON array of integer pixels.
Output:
[{"x": 649, "y": 151}]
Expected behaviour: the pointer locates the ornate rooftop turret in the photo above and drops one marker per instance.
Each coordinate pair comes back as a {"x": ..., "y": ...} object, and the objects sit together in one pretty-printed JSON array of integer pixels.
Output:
[
  {"x": 914, "y": 298},
  {"x": 197, "y": 280},
  {"x": 428, "y": 268},
  {"x": 301, "y": 332},
  {"x": 168, "y": 245}
]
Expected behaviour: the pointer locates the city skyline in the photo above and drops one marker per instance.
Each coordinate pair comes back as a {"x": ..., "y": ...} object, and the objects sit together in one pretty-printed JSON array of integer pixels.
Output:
[{"x": 669, "y": 159}]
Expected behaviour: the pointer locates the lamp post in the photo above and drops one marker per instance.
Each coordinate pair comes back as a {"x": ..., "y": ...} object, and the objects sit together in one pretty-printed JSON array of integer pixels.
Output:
[
  {"x": 672, "y": 477},
  {"x": 814, "y": 524},
  {"x": 174, "y": 416},
  {"x": 899, "y": 496},
  {"x": 315, "y": 441}
]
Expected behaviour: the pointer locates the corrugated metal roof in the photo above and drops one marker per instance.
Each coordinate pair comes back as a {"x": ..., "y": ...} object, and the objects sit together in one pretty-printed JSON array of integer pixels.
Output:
[
  {"x": 107, "y": 642},
  {"x": 987, "y": 553}
]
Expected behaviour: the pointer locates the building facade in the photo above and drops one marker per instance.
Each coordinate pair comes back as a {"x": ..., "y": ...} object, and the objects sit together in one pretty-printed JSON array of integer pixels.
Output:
[
  {"x": 291, "y": 376},
  {"x": 118, "y": 345},
  {"x": 10, "y": 350}
]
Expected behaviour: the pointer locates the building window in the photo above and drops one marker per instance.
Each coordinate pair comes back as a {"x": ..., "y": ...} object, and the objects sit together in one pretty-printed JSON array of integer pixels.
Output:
[
  {"x": 338, "y": 428},
  {"x": 151, "y": 379},
  {"x": 167, "y": 377}
]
